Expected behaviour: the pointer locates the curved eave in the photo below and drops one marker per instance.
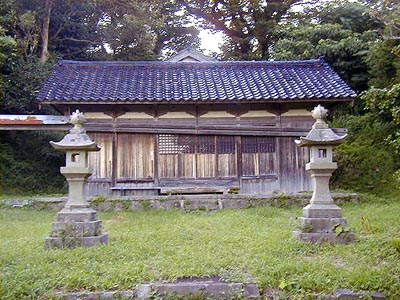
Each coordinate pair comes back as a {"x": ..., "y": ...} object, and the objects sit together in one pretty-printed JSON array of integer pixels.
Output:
[
  {"x": 304, "y": 142},
  {"x": 71, "y": 147}
]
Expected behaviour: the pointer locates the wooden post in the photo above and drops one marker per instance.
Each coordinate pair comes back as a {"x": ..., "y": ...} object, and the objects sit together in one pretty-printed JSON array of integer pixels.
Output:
[
  {"x": 114, "y": 151},
  {"x": 155, "y": 161},
  {"x": 239, "y": 159}
]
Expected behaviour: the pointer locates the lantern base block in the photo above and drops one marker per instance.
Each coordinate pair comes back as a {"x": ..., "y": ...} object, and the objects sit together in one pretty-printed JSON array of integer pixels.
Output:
[
  {"x": 322, "y": 211},
  {"x": 77, "y": 215},
  {"x": 325, "y": 237},
  {"x": 71, "y": 242}
]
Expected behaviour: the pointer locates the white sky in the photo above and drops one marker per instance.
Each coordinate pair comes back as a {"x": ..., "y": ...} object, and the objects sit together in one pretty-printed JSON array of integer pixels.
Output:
[{"x": 210, "y": 41}]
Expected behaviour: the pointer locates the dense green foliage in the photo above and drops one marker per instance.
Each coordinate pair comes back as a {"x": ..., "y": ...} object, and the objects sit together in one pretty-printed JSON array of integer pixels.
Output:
[
  {"x": 366, "y": 160},
  {"x": 154, "y": 246},
  {"x": 29, "y": 165},
  {"x": 343, "y": 35}
]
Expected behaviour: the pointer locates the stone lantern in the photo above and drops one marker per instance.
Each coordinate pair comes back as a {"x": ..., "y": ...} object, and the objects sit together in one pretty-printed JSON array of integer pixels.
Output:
[
  {"x": 322, "y": 219},
  {"x": 77, "y": 224}
]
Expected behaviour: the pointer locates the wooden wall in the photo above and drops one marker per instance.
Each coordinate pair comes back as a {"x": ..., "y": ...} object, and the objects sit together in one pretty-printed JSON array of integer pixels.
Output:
[
  {"x": 101, "y": 162},
  {"x": 135, "y": 156},
  {"x": 191, "y": 146},
  {"x": 292, "y": 174}
]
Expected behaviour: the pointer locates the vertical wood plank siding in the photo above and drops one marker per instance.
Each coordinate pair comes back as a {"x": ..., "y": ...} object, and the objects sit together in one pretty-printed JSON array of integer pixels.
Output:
[
  {"x": 206, "y": 167},
  {"x": 227, "y": 165},
  {"x": 100, "y": 163},
  {"x": 178, "y": 165},
  {"x": 135, "y": 156},
  {"x": 292, "y": 174},
  {"x": 98, "y": 187},
  {"x": 258, "y": 155}
]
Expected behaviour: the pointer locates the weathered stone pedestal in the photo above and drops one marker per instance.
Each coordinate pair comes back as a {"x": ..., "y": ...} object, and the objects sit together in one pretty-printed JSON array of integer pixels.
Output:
[
  {"x": 322, "y": 219},
  {"x": 76, "y": 227},
  {"x": 77, "y": 223}
]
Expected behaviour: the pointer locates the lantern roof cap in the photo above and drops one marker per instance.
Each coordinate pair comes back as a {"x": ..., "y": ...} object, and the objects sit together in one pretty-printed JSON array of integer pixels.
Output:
[
  {"x": 320, "y": 134},
  {"x": 76, "y": 139}
]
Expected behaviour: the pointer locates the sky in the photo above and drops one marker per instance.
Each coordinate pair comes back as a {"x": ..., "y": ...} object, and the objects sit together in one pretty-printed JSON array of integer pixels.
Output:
[{"x": 210, "y": 41}]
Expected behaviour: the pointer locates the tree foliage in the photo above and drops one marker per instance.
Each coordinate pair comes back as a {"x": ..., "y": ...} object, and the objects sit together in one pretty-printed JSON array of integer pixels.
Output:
[
  {"x": 343, "y": 33},
  {"x": 96, "y": 29},
  {"x": 249, "y": 25},
  {"x": 30, "y": 165},
  {"x": 366, "y": 160}
]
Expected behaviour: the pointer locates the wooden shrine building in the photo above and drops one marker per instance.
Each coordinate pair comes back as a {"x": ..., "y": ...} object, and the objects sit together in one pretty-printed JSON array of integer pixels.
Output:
[{"x": 193, "y": 124}]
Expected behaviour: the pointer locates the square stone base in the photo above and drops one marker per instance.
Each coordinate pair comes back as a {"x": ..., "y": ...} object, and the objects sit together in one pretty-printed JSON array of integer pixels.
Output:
[
  {"x": 77, "y": 215},
  {"x": 322, "y": 211},
  {"x": 326, "y": 225},
  {"x": 70, "y": 242},
  {"x": 323, "y": 237}
]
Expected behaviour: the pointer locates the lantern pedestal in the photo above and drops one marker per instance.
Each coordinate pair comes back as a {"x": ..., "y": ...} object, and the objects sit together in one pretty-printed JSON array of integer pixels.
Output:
[
  {"x": 77, "y": 223},
  {"x": 76, "y": 228},
  {"x": 322, "y": 219}
]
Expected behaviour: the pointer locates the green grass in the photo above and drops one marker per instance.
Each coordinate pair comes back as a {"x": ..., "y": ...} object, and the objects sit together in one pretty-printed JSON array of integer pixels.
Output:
[{"x": 151, "y": 246}]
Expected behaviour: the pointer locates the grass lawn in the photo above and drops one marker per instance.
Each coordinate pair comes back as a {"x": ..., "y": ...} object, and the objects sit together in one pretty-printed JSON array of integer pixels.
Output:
[{"x": 151, "y": 246}]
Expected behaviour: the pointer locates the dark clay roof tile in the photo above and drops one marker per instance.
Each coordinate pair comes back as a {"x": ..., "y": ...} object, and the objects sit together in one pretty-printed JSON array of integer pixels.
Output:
[{"x": 192, "y": 82}]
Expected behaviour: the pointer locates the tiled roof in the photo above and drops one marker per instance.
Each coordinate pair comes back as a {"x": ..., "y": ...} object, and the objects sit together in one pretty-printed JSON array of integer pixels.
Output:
[{"x": 193, "y": 82}]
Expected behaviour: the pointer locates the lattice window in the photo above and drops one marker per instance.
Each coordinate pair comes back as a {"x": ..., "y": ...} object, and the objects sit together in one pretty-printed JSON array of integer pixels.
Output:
[
  {"x": 225, "y": 144},
  {"x": 258, "y": 144},
  {"x": 206, "y": 144},
  {"x": 175, "y": 144},
  {"x": 266, "y": 144},
  {"x": 186, "y": 143}
]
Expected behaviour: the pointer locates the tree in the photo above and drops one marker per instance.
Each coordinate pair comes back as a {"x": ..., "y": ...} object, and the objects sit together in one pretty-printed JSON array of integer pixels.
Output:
[
  {"x": 388, "y": 12},
  {"x": 136, "y": 30},
  {"x": 372, "y": 155},
  {"x": 384, "y": 57},
  {"x": 249, "y": 26},
  {"x": 7, "y": 48},
  {"x": 343, "y": 33},
  {"x": 97, "y": 29}
]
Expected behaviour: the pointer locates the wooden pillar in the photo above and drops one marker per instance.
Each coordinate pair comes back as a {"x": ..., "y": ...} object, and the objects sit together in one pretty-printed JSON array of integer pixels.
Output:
[
  {"x": 114, "y": 151},
  {"x": 216, "y": 174},
  {"x": 155, "y": 162},
  {"x": 239, "y": 159}
]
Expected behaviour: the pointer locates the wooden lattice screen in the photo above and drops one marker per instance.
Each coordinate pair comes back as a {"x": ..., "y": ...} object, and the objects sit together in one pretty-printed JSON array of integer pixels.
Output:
[
  {"x": 258, "y": 144},
  {"x": 175, "y": 144},
  {"x": 226, "y": 144}
]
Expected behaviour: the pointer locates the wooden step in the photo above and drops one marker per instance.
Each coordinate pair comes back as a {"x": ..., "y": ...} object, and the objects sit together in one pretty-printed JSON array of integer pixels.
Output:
[{"x": 196, "y": 190}]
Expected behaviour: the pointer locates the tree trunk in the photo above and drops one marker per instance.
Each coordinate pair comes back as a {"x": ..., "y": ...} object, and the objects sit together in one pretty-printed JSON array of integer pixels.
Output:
[{"x": 45, "y": 54}]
